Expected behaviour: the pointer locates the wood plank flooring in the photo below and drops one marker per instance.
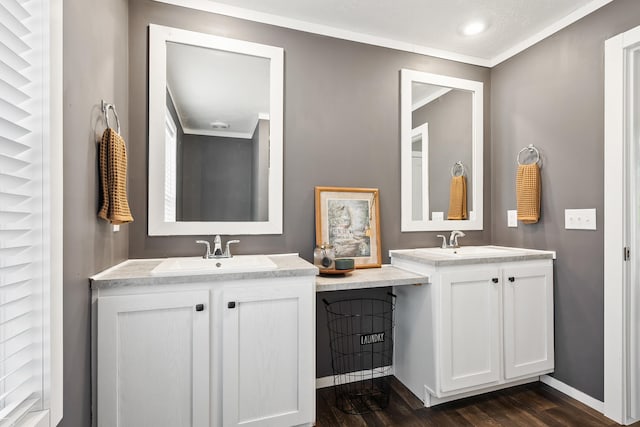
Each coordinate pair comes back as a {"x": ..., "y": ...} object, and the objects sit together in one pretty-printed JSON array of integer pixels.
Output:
[{"x": 534, "y": 404}]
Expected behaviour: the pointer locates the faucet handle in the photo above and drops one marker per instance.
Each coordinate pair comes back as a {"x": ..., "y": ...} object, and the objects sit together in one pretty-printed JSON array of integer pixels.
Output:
[
  {"x": 207, "y": 254},
  {"x": 444, "y": 241},
  {"x": 227, "y": 250}
]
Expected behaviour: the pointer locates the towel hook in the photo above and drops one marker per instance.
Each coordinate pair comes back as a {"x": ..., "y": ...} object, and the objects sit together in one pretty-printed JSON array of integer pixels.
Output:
[
  {"x": 531, "y": 149},
  {"x": 105, "y": 110},
  {"x": 457, "y": 167}
]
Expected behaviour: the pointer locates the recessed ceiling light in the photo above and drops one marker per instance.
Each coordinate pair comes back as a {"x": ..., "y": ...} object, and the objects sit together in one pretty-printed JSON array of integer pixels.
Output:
[
  {"x": 219, "y": 125},
  {"x": 473, "y": 28}
]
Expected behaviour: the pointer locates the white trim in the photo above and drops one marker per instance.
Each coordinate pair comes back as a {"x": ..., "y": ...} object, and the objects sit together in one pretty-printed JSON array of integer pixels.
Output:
[
  {"x": 616, "y": 236},
  {"x": 325, "y": 30},
  {"x": 548, "y": 31},
  {"x": 329, "y": 381},
  {"x": 54, "y": 379},
  {"x": 573, "y": 393}
]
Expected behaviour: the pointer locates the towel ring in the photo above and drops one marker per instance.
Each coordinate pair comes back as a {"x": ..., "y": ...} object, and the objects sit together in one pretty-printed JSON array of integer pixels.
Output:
[
  {"x": 105, "y": 110},
  {"x": 458, "y": 167},
  {"x": 531, "y": 149}
]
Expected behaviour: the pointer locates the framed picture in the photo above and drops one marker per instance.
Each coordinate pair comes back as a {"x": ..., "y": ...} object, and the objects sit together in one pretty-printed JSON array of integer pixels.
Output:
[{"x": 349, "y": 219}]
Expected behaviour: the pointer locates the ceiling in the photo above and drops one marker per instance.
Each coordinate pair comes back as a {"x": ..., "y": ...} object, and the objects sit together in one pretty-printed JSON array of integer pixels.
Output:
[
  {"x": 429, "y": 27},
  {"x": 208, "y": 85}
]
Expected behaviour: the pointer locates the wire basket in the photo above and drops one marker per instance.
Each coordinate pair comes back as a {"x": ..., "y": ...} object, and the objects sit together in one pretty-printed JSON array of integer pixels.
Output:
[{"x": 361, "y": 342}]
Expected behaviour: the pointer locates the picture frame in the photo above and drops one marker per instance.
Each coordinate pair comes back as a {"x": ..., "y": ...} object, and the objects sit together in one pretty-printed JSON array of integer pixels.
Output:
[{"x": 349, "y": 219}]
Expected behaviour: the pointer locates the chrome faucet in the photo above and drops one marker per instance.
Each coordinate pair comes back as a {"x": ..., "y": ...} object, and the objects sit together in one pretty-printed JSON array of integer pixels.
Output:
[
  {"x": 217, "y": 248},
  {"x": 453, "y": 239}
]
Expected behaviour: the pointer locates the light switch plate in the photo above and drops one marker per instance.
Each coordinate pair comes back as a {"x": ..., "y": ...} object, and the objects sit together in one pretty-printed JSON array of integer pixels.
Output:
[
  {"x": 580, "y": 219},
  {"x": 512, "y": 218},
  {"x": 116, "y": 228}
]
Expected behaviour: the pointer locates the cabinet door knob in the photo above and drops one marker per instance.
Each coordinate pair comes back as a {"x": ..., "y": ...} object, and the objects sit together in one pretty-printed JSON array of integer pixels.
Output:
[
  {"x": 231, "y": 304},
  {"x": 512, "y": 279},
  {"x": 199, "y": 307},
  {"x": 494, "y": 280}
]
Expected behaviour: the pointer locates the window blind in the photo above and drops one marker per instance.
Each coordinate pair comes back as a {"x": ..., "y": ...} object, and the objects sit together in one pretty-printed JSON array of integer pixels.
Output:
[{"x": 22, "y": 216}]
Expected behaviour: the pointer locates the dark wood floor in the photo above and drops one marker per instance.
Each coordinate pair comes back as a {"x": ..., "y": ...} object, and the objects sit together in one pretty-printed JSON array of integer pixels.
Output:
[{"x": 534, "y": 404}]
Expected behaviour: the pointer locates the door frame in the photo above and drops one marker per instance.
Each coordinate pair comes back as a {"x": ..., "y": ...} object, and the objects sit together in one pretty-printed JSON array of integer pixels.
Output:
[{"x": 617, "y": 308}]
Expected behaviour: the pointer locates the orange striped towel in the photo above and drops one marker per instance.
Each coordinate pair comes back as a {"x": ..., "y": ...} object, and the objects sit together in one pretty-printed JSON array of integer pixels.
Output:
[
  {"x": 113, "y": 179},
  {"x": 528, "y": 189},
  {"x": 458, "y": 198}
]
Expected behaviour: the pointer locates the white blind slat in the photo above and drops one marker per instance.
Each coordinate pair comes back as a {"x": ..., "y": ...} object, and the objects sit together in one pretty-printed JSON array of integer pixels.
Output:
[
  {"x": 17, "y": 9},
  {"x": 21, "y": 346},
  {"x": 11, "y": 112},
  {"x": 10, "y": 147},
  {"x": 12, "y": 59},
  {"x": 15, "y": 413},
  {"x": 12, "y": 15},
  {"x": 12, "y": 77},
  {"x": 11, "y": 40}
]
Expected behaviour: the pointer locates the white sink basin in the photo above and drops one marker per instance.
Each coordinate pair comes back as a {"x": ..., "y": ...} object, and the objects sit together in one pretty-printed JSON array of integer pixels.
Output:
[
  {"x": 199, "y": 265},
  {"x": 468, "y": 251}
]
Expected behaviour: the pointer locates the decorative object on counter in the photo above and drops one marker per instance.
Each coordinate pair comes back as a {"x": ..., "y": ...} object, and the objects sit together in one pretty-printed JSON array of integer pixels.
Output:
[
  {"x": 528, "y": 185},
  {"x": 342, "y": 266},
  {"x": 344, "y": 263},
  {"x": 113, "y": 172},
  {"x": 361, "y": 340},
  {"x": 324, "y": 256},
  {"x": 348, "y": 219},
  {"x": 458, "y": 192}
]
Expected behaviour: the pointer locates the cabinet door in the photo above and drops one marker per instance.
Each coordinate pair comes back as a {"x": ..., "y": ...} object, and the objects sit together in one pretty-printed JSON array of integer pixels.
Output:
[
  {"x": 470, "y": 333},
  {"x": 153, "y": 360},
  {"x": 528, "y": 320},
  {"x": 268, "y": 356}
]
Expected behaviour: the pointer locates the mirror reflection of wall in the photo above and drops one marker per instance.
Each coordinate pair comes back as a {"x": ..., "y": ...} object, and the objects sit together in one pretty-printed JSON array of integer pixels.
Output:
[
  {"x": 447, "y": 112},
  {"x": 218, "y": 103}
]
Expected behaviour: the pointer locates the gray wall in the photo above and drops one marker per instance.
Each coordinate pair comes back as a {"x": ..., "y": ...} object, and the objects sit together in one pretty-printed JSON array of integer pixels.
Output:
[
  {"x": 95, "y": 67},
  {"x": 552, "y": 95},
  {"x": 450, "y": 141},
  {"x": 216, "y": 178},
  {"x": 341, "y": 128}
]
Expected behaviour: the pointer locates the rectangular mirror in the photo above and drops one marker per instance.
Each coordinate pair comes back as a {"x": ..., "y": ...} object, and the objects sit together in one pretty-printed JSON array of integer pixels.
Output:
[
  {"x": 215, "y": 134},
  {"x": 441, "y": 127}
]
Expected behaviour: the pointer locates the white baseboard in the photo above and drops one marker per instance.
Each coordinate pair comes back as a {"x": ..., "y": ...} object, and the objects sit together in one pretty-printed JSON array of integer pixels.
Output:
[
  {"x": 574, "y": 393},
  {"x": 344, "y": 378}
]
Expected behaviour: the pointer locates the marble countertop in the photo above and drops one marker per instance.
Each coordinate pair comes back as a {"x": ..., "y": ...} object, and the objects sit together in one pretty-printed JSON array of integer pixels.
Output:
[
  {"x": 138, "y": 272},
  {"x": 387, "y": 275},
  {"x": 509, "y": 255}
]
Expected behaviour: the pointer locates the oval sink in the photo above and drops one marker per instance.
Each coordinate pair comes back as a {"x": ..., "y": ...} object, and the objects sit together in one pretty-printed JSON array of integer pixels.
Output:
[
  {"x": 468, "y": 251},
  {"x": 199, "y": 265}
]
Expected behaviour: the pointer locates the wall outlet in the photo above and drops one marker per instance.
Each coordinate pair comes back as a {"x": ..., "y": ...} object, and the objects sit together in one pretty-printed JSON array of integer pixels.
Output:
[
  {"x": 116, "y": 228},
  {"x": 580, "y": 219},
  {"x": 437, "y": 216},
  {"x": 512, "y": 218}
]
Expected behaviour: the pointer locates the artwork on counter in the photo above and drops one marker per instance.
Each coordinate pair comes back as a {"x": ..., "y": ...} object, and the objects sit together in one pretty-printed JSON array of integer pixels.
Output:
[{"x": 349, "y": 219}]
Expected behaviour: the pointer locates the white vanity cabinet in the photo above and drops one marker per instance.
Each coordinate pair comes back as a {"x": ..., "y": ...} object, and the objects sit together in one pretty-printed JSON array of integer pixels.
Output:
[
  {"x": 268, "y": 375},
  {"x": 475, "y": 327},
  {"x": 206, "y": 350},
  {"x": 153, "y": 359}
]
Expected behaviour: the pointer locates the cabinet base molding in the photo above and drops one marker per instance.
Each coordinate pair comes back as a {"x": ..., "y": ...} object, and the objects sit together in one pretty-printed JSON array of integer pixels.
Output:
[
  {"x": 329, "y": 381},
  {"x": 572, "y": 392},
  {"x": 431, "y": 400}
]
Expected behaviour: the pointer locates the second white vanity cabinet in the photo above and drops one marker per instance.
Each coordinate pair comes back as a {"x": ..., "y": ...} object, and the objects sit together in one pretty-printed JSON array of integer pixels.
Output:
[
  {"x": 204, "y": 350},
  {"x": 478, "y": 325}
]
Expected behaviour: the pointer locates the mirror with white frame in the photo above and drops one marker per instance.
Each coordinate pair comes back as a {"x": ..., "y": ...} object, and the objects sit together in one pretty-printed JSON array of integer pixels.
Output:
[
  {"x": 215, "y": 134},
  {"x": 441, "y": 128}
]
